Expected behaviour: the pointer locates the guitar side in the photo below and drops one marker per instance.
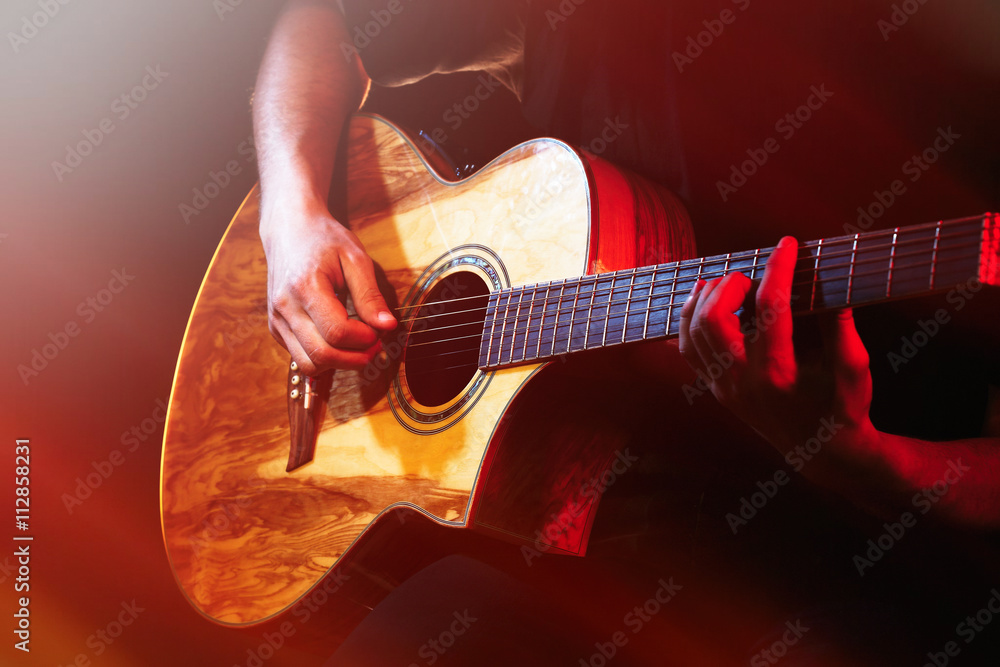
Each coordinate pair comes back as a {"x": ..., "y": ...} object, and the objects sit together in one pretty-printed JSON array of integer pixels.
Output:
[{"x": 246, "y": 539}]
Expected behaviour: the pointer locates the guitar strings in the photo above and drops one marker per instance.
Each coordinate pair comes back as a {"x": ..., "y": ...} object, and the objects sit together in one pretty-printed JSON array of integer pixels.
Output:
[
  {"x": 556, "y": 337},
  {"x": 563, "y": 298},
  {"x": 558, "y": 301},
  {"x": 594, "y": 280}
]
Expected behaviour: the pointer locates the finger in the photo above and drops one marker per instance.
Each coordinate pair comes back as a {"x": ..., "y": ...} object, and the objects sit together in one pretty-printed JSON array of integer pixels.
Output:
[
  {"x": 686, "y": 345},
  {"x": 846, "y": 353},
  {"x": 696, "y": 329},
  {"x": 359, "y": 274},
  {"x": 774, "y": 312},
  {"x": 720, "y": 326},
  {"x": 313, "y": 354},
  {"x": 329, "y": 319}
]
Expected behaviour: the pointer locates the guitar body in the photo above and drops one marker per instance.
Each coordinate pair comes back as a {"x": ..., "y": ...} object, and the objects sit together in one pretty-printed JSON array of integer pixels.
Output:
[{"x": 247, "y": 539}]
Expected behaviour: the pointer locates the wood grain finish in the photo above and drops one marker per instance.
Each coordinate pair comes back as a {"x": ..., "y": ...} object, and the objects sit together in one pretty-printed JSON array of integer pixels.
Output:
[{"x": 245, "y": 538}]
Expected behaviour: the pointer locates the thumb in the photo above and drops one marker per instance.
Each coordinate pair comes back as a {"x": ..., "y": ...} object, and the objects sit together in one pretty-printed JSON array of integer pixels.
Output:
[{"x": 845, "y": 351}]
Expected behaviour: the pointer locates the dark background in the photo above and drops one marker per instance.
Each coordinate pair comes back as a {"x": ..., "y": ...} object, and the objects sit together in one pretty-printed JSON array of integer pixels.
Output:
[{"x": 60, "y": 241}]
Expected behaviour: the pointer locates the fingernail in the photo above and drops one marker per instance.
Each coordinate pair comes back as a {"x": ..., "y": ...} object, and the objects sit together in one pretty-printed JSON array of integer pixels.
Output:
[{"x": 385, "y": 316}]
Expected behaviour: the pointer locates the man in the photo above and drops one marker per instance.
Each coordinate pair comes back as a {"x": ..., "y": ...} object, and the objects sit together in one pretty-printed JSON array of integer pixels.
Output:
[{"x": 577, "y": 66}]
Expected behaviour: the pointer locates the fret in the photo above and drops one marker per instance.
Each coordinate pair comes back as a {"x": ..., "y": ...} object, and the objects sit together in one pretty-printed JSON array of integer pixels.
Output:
[
  {"x": 558, "y": 315},
  {"x": 531, "y": 335},
  {"x": 663, "y": 293},
  {"x": 638, "y": 309},
  {"x": 815, "y": 280},
  {"x": 628, "y": 303},
  {"x": 913, "y": 258},
  {"x": 958, "y": 254},
  {"x": 486, "y": 347},
  {"x": 745, "y": 263},
  {"x": 937, "y": 238},
  {"x": 514, "y": 301},
  {"x": 674, "y": 291},
  {"x": 582, "y": 327},
  {"x": 892, "y": 260},
  {"x": 753, "y": 269},
  {"x": 598, "y": 320},
  {"x": 621, "y": 291},
  {"x": 515, "y": 330},
  {"x": 572, "y": 313},
  {"x": 536, "y": 342},
  {"x": 607, "y": 313},
  {"x": 850, "y": 273},
  {"x": 554, "y": 312},
  {"x": 527, "y": 321},
  {"x": 649, "y": 304},
  {"x": 503, "y": 300},
  {"x": 685, "y": 279},
  {"x": 871, "y": 258},
  {"x": 835, "y": 273}
]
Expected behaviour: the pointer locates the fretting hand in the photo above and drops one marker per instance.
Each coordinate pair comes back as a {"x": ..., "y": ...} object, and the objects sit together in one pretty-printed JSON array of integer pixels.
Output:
[
  {"x": 311, "y": 258},
  {"x": 762, "y": 379}
]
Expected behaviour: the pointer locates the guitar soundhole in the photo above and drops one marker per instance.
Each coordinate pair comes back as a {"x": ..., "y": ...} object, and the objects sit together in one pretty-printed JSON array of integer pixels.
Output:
[{"x": 442, "y": 353}]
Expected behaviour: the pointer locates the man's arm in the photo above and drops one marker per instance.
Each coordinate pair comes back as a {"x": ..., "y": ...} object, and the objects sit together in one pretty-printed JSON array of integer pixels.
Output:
[
  {"x": 789, "y": 403},
  {"x": 306, "y": 92}
]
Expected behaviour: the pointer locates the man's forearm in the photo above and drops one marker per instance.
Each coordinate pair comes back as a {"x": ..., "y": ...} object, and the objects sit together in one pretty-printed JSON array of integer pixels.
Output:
[
  {"x": 306, "y": 90},
  {"x": 957, "y": 480}
]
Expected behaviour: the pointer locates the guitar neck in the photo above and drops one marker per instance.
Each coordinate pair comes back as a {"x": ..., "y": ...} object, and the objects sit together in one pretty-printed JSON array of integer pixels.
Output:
[{"x": 533, "y": 323}]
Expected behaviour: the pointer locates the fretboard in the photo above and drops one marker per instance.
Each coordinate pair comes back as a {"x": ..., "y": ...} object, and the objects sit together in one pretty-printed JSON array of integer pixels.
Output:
[{"x": 533, "y": 323}]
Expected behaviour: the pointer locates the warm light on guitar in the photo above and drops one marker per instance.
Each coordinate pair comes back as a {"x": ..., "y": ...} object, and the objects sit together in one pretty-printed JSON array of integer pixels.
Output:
[{"x": 543, "y": 253}]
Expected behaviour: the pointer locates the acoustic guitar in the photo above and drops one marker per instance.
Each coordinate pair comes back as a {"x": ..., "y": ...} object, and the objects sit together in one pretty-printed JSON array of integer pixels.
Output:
[{"x": 271, "y": 481}]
